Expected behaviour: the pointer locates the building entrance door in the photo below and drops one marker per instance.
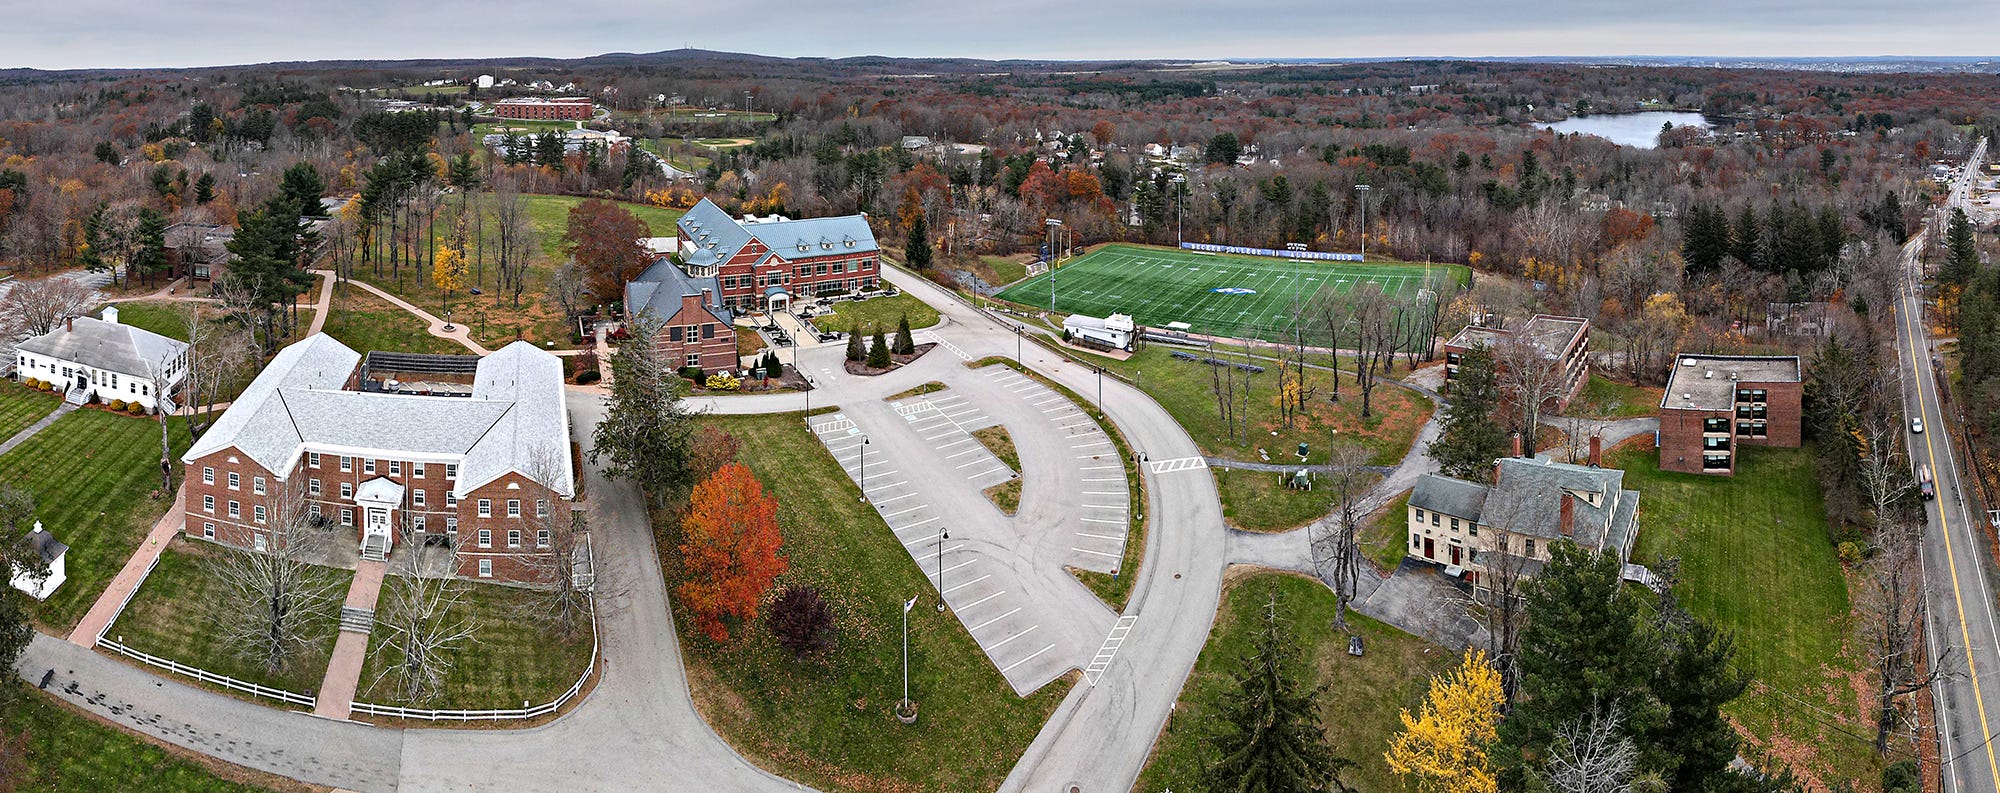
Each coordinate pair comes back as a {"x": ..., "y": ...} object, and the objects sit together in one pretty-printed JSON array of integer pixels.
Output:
[
  {"x": 1454, "y": 555},
  {"x": 1430, "y": 548}
]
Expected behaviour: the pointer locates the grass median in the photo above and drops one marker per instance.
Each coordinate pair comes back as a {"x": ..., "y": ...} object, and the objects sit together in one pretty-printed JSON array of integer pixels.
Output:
[
  {"x": 826, "y": 720},
  {"x": 878, "y": 312}
]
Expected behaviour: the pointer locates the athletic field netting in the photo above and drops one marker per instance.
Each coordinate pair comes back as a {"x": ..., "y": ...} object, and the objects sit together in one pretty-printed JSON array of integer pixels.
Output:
[{"x": 1214, "y": 294}]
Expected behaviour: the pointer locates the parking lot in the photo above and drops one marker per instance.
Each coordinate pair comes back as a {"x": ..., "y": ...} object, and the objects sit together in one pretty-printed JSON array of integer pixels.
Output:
[
  {"x": 1090, "y": 499},
  {"x": 1003, "y": 578}
]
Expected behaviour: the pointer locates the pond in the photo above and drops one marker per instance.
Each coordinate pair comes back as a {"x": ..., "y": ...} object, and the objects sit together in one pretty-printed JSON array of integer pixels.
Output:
[{"x": 1638, "y": 130}]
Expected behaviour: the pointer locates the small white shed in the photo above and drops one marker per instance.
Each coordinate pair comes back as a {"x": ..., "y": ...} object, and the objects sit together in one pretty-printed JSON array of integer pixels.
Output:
[{"x": 51, "y": 551}]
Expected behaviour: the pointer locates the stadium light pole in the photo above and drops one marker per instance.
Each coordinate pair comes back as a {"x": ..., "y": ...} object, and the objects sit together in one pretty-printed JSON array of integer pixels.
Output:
[
  {"x": 943, "y": 534},
  {"x": 1363, "y": 190},
  {"x": 1053, "y": 225},
  {"x": 1297, "y": 339},
  {"x": 1180, "y": 200}
]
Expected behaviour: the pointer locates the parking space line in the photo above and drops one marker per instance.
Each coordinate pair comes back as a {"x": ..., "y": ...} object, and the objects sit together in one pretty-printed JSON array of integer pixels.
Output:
[
  {"x": 1104, "y": 492},
  {"x": 1100, "y": 479},
  {"x": 904, "y": 512},
  {"x": 985, "y": 472},
  {"x": 1102, "y": 520},
  {"x": 996, "y": 645},
  {"x": 881, "y": 501},
  {"x": 962, "y": 465},
  {"x": 1056, "y": 408},
  {"x": 887, "y": 486},
  {"x": 913, "y": 524},
  {"x": 1031, "y": 657},
  {"x": 1100, "y": 536},
  {"x": 1010, "y": 613},
  {"x": 943, "y": 446},
  {"x": 970, "y": 583},
  {"x": 1098, "y": 455},
  {"x": 1097, "y": 553},
  {"x": 968, "y": 606},
  {"x": 1090, "y": 444},
  {"x": 1099, "y": 467}
]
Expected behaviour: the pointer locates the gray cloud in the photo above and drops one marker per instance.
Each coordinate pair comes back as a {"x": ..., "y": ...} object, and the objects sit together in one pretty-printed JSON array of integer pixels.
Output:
[{"x": 130, "y": 33}]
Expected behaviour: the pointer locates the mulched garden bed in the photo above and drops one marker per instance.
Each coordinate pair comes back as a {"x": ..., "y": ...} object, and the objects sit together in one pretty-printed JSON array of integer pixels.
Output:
[{"x": 895, "y": 362}]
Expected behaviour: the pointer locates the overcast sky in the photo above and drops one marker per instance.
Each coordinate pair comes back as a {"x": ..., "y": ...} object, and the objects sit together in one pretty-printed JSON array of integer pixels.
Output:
[{"x": 59, "y": 34}]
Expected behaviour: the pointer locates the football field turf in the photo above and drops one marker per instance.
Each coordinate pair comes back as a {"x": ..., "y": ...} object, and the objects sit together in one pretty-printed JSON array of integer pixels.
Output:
[{"x": 1215, "y": 294}]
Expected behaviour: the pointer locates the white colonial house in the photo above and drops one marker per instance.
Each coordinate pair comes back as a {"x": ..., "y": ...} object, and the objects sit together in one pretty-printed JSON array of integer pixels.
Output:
[{"x": 104, "y": 359}]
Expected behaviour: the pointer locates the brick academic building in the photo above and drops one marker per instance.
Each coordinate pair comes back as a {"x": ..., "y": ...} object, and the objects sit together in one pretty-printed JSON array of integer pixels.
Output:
[
  {"x": 534, "y": 108},
  {"x": 465, "y": 452},
  {"x": 762, "y": 264},
  {"x": 1716, "y": 404}
]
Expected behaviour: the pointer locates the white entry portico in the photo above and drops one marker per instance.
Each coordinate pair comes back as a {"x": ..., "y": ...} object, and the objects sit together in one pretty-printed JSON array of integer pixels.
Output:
[{"x": 378, "y": 499}]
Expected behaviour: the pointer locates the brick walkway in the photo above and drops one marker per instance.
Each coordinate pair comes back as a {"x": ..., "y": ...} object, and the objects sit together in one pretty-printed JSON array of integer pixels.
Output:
[
  {"x": 134, "y": 573},
  {"x": 350, "y": 649}
]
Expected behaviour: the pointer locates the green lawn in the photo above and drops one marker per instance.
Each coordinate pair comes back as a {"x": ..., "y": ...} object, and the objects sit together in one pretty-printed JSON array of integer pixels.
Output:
[
  {"x": 882, "y": 312},
  {"x": 826, "y": 721},
  {"x": 1216, "y": 294},
  {"x": 168, "y": 318},
  {"x": 1385, "y": 537},
  {"x": 21, "y": 407},
  {"x": 1186, "y": 390},
  {"x": 510, "y": 660},
  {"x": 170, "y": 617},
  {"x": 1001, "y": 444},
  {"x": 96, "y": 481},
  {"x": 1006, "y": 269},
  {"x": 549, "y": 215},
  {"x": 523, "y": 127},
  {"x": 68, "y": 750},
  {"x": 1358, "y": 709},
  {"x": 1258, "y": 501},
  {"x": 1605, "y": 398},
  {"x": 664, "y": 148},
  {"x": 1755, "y": 558},
  {"x": 367, "y": 323}
]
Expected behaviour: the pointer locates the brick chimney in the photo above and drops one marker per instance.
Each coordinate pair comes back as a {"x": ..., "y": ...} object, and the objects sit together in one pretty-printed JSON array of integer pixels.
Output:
[
  {"x": 707, "y": 297},
  {"x": 1596, "y": 450},
  {"x": 1567, "y": 522},
  {"x": 1516, "y": 447},
  {"x": 69, "y": 324}
]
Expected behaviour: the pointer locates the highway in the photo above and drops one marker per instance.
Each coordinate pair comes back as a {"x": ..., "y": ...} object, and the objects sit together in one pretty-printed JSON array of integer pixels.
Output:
[{"x": 1960, "y": 613}]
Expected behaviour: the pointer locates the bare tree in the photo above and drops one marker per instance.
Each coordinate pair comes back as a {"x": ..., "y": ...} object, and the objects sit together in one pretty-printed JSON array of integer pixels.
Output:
[
  {"x": 217, "y": 354},
  {"x": 33, "y": 308},
  {"x": 1336, "y": 551},
  {"x": 268, "y": 596},
  {"x": 568, "y": 289},
  {"x": 1592, "y": 754},
  {"x": 1894, "y": 608},
  {"x": 1374, "y": 317},
  {"x": 1336, "y": 315},
  {"x": 425, "y": 623},
  {"x": 1530, "y": 381},
  {"x": 516, "y": 238},
  {"x": 564, "y": 563}
]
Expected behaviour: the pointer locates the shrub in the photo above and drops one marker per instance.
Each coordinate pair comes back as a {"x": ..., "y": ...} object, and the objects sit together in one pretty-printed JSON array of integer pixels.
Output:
[
  {"x": 136, "y": 409},
  {"x": 854, "y": 349},
  {"x": 772, "y": 366},
  {"x": 118, "y": 405},
  {"x": 878, "y": 350},
  {"x": 905, "y": 343},
  {"x": 691, "y": 373},
  {"x": 801, "y": 620},
  {"x": 723, "y": 381},
  {"x": 1901, "y": 777},
  {"x": 587, "y": 376},
  {"x": 32, "y": 383},
  {"x": 1851, "y": 553}
]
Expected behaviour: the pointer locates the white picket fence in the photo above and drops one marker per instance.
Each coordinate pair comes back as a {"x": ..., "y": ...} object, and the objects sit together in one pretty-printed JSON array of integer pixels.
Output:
[
  {"x": 206, "y": 676},
  {"x": 494, "y": 715}
]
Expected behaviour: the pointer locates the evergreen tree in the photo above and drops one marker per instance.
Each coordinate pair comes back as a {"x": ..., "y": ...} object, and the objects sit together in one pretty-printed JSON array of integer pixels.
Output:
[
  {"x": 855, "y": 352},
  {"x": 302, "y": 186},
  {"x": 1693, "y": 744},
  {"x": 149, "y": 256},
  {"x": 1471, "y": 439},
  {"x": 878, "y": 350},
  {"x": 1271, "y": 741},
  {"x": 268, "y": 269},
  {"x": 905, "y": 343},
  {"x": 1961, "y": 253},
  {"x": 645, "y": 434},
  {"x": 917, "y": 249},
  {"x": 1746, "y": 239},
  {"x": 1891, "y": 217},
  {"x": 1705, "y": 240},
  {"x": 1584, "y": 648},
  {"x": 204, "y": 188},
  {"x": 638, "y": 166},
  {"x": 106, "y": 153}
]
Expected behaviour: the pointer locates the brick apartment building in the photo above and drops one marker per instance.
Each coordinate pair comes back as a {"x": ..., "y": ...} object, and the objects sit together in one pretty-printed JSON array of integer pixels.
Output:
[
  {"x": 540, "y": 109},
  {"x": 400, "y": 450},
  {"x": 696, "y": 328},
  {"x": 1562, "y": 340},
  {"x": 1715, "y": 404},
  {"x": 762, "y": 264}
]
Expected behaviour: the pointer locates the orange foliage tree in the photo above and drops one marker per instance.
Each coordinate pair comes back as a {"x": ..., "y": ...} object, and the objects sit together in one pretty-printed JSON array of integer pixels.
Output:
[{"x": 730, "y": 549}]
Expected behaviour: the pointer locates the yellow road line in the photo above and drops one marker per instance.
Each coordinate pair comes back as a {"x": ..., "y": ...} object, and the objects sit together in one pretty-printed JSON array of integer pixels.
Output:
[{"x": 1951, "y": 557}]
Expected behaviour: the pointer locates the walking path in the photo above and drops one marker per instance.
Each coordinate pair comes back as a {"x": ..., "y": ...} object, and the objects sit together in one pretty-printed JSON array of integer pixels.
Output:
[
  {"x": 23, "y": 436},
  {"x": 131, "y": 575},
  {"x": 350, "y": 648},
  {"x": 457, "y": 333}
]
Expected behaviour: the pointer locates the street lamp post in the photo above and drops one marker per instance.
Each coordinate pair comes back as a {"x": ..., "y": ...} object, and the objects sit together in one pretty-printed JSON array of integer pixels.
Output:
[
  {"x": 1100, "y": 389},
  {"x": 1363, "y": 190},
  {"x": 1180, "y": 198},
  {"x": 943, "y": 534},
  {"x": 808, "y": 391},
  {"x": 904, "y": 710},
  {"x": 864, "y": 469},
  {"x": 1019, "y": 331},
  {"x": 1053, "y": 224}
]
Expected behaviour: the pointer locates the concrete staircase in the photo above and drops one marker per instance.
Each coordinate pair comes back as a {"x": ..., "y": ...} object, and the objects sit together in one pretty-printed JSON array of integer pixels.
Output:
[
  {"x": 375, "y": 548},
  {"x": 355, "y": 620},
  {"x": 77, "y": 395}
]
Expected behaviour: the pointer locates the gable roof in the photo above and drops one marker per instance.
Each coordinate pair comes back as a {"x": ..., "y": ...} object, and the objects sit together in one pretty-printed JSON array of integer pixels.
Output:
[
  {"x": 1527, "y": 499},
  {"x": 110, "y": 346},
  {"x": 660, "y": 288},
  {"x": 515, "y": 421},
  {"x": 717, "y": 237}
]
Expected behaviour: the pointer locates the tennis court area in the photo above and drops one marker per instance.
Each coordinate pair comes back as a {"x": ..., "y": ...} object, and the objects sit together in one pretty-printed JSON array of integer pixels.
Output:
[{"x": 1215, "y": 294}]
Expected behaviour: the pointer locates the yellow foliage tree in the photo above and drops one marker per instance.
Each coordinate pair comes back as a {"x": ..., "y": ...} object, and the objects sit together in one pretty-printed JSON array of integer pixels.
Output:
[
  {"x": 1443, "y": 748},
  {"x": 448, "y": 273}
]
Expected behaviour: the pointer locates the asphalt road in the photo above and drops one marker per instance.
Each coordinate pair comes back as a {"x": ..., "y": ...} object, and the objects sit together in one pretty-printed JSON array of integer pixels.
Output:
[{"x": 1961, "y": 612}]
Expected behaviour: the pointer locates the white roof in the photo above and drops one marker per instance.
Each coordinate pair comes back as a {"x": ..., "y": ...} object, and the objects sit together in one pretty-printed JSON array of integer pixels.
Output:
[
  {"x": 516, "y": 418},
  {"x": 109, "y": 346},
  {"x": 380, "y": 490}
]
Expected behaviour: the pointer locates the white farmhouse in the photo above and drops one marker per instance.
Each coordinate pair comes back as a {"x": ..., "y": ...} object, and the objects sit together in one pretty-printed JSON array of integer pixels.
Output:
[{"x": 104, "y": 359}]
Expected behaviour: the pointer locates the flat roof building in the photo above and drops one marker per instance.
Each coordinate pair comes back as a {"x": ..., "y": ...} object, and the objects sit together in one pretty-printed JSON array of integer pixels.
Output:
[
  {"x": 1715, "y": 404},
  {"x": 567, "y": 108},
  {"x": 1564, "y": 341}
]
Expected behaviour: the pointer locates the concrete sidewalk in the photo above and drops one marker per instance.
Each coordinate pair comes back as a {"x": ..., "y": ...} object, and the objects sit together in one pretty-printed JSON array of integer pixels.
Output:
[
  {"x": 132, "y": 575},
  {"x": 350, "y": 649},
  {"x": 458, "y": 333},
  {"x": 23, "y": 436}
]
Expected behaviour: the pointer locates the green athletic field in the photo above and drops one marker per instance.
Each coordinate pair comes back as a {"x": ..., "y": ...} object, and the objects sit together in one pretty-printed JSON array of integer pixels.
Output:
[{"x": 1161, "y": 285}]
